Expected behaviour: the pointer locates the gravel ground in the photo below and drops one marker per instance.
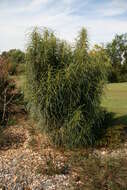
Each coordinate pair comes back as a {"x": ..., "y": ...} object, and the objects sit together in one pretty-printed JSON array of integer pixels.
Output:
[
  {"x": 19, "y": 165},
  {"x": 23, "y": 168}
]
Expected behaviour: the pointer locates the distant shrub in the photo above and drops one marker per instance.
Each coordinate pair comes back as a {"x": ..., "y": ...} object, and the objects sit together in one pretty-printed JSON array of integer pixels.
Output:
[
  {"x": 6, "y": 89},
  {"x": 12, "y": 68},
  {"x": 64, "y": 87},
  {"x": 15, "y": 58}
]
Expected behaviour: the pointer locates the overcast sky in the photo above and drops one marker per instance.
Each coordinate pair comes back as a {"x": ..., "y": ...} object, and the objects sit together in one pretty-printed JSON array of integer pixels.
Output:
[{"x": 102, "y": 18}]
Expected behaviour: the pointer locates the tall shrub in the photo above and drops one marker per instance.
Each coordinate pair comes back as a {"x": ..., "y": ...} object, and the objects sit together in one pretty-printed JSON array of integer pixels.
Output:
[{"x": 64, "y": 88}]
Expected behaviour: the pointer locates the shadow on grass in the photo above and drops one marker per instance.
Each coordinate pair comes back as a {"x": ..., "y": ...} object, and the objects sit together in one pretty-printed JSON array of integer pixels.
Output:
[
  {"x": 115, "y": 133},
  {"x": 122, "y": 120}
]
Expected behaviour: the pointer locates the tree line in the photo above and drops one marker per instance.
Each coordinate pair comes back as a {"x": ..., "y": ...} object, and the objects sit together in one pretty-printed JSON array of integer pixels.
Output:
[{"x": 115, "y": 51}]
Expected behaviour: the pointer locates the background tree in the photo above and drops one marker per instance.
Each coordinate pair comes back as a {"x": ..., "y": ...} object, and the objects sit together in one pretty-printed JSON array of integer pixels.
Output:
[{"x": 117, "y": 51}]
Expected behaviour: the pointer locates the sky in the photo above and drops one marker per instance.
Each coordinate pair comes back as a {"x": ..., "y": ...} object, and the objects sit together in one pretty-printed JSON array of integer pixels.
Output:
[{"x": 102, "y": 18}]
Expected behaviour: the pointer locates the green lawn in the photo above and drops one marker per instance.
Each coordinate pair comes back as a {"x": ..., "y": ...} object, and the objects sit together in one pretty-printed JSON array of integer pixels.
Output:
[{"x": 115, "y": 100}]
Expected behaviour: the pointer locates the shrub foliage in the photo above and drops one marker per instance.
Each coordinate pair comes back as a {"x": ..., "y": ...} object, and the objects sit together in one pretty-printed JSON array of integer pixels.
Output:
[
  {"x": 6, "y": 91},
  {"x": 64, "y": 87},
  {"x": 15, "y": 58}
]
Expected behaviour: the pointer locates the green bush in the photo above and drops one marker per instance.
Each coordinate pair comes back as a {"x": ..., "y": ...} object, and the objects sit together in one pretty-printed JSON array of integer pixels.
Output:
[
  {"x": 6, "y": 91},
  {"x": 64, "y": 87},
  {"x": 15, "y": 58}
]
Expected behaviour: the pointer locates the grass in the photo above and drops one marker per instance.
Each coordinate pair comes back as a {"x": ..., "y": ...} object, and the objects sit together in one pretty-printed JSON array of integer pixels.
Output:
[{"x": 115, "y": 99}]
